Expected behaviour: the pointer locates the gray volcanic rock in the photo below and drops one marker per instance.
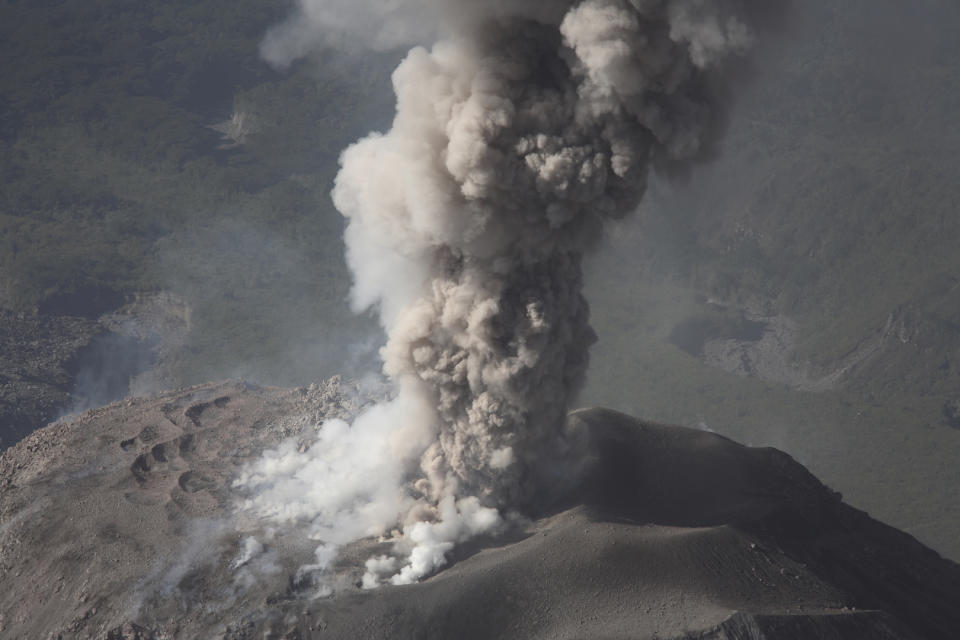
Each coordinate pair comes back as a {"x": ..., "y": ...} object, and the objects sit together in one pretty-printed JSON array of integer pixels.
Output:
[
  {"x": 123, "y": 524},
  {"x": 125, "y": 511}
]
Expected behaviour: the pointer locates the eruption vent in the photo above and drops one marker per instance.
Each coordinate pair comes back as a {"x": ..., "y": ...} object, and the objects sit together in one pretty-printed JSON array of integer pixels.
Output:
[{"x": 517, "y": 134}]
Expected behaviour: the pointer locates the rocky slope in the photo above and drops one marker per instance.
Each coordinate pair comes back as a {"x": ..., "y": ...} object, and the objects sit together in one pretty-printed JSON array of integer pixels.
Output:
[{"x": 123, "y": 523}]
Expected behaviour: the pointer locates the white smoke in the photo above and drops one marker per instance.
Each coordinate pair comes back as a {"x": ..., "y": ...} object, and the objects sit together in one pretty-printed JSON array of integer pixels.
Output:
[
  {"x": 517, "y": 134},
  {"x": 350, "y": 482},
  {"x": 388, "y": 24}
]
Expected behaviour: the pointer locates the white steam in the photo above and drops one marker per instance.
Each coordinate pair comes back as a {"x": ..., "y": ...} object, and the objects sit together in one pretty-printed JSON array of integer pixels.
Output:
[
  {"x": 349, "y": 483},
  {"x": 517, "y": 134}
]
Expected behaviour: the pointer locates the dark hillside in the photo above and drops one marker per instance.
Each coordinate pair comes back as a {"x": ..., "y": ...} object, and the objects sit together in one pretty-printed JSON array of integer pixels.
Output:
[
  {"x": 147, "y": 147},
  {"x": 829, "y": 228}
]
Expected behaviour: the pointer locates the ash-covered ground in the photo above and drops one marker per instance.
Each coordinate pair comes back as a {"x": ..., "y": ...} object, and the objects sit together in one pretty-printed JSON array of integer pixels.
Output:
[{"x": 125, "y": 522}]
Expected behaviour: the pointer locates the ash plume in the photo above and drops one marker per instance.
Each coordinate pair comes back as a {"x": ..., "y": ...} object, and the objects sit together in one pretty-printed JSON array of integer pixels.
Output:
[{"x": 522, "y": 129}]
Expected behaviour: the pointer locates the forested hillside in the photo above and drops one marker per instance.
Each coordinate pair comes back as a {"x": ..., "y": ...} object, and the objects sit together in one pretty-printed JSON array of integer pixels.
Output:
[{"x": 147, "y": 147}]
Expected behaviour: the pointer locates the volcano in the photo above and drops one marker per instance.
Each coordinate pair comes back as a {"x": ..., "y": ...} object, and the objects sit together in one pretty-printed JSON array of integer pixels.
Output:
[{"x": 124, "y": 523}]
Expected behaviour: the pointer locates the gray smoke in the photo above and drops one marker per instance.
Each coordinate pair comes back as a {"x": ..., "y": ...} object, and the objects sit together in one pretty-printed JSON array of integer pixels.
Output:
[
  {"x": 514, "y": 139},
  {"x": 517, "y": 134}
]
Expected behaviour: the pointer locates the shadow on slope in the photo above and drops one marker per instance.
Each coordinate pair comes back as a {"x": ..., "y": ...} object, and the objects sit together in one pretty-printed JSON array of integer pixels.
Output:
[{"x": 675, "y": 476}]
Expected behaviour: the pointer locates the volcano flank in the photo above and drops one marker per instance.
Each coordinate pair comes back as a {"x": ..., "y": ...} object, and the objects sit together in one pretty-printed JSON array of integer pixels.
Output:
[{"x": 123, "y": 523}]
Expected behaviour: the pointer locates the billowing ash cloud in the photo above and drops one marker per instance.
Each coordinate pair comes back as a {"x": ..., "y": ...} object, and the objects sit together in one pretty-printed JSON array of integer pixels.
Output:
[{"x": 517, "y": 134}]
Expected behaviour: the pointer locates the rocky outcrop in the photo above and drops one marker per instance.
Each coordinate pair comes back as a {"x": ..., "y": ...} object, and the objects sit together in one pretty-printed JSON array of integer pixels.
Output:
[{"x": 875, "y": 625}]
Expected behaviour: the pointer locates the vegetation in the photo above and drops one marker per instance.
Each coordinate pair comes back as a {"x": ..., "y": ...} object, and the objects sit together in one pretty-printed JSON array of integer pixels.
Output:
[{"x": 115, "y": 179}]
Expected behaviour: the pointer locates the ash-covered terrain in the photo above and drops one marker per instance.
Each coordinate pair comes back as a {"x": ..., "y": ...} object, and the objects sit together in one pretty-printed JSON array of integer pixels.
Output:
[{"x": 125, "y": 522}]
